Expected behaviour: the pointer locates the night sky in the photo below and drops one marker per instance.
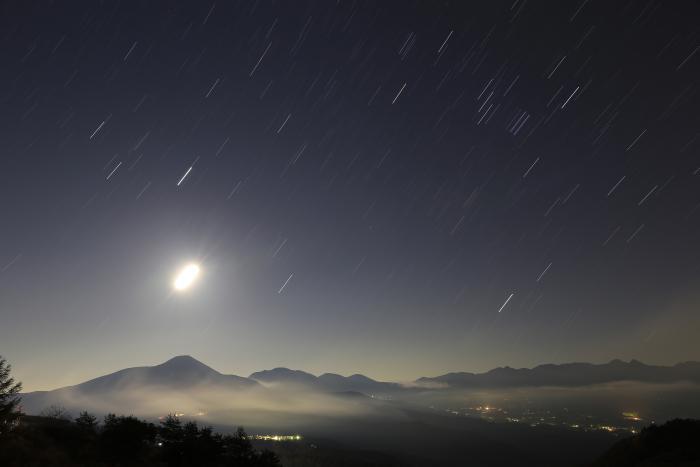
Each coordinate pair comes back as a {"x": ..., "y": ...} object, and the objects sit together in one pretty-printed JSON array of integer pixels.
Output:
[{"x": 399, "y": 188}]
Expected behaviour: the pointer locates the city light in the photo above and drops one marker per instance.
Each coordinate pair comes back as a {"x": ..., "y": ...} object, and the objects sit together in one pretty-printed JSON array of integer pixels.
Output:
[{"x": 277, "y": 437}]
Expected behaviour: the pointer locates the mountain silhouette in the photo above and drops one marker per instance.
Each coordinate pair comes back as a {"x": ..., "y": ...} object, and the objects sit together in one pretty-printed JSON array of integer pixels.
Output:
[
  {"x": 327, "y": 382},
  {"x": 178, "y": 372},
  {"x": 569, "y": 374},
  {"x": 283, "y": 375},
  {"x": 185, "y": 376},
  {"x": 182, "y": 373}
]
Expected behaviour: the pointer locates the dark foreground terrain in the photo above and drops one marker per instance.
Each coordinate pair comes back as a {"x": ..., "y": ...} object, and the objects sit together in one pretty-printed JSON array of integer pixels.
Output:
[
  {"x": 127, "y": 441},
  {"x": 676, "y": 443}
]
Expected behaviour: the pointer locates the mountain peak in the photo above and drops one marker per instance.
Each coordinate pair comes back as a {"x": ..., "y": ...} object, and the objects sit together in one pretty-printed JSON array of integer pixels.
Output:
[
  {"x": 361, "y": 378},
  {"x": 182, "y": 358},
  {"x": 281, "y": 374},
  {"x": 185, "y": 363}
]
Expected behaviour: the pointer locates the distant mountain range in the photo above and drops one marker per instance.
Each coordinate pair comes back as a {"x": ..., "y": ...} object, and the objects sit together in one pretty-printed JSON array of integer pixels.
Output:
[
  {"x": 329, "y": 382},
  {"x": 569, "y": 374},
  {"x": 184, "y": 375}
]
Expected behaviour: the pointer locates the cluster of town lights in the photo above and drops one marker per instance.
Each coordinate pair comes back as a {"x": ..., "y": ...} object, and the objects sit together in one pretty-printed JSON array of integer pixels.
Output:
[{"x": 277, "y": 437}]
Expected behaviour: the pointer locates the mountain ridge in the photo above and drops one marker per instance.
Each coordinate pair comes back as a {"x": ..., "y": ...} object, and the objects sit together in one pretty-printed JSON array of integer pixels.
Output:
[
  {"x": 570, "y": 374},
  {"x": 184, "y": 371}
]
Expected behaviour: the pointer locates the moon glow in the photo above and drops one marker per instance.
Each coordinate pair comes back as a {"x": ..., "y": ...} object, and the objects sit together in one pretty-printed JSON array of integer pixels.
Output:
[{"x": 186, "y": 277}]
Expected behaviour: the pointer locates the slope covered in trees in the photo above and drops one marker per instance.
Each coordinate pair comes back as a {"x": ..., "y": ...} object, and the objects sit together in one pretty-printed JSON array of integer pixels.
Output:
[{"x": 125, "y": 440}]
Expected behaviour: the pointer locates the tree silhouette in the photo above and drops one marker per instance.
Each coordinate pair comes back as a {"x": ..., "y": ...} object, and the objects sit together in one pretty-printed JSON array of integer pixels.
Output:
[
  {"x": 170, "y": 440},
  {"x": 126, "y": 440},
  {"x": 122, "y": 441},
  {"x": 187, "y": 444},
  {"x": 55, "y": 411},
  {"x": 9, "y": 399},
  {"x": 86, "y": 421},
  {"x": 85, "y": 446},
  {"x": 54, "y": 439},
  {"x": 239, "y": 448}
]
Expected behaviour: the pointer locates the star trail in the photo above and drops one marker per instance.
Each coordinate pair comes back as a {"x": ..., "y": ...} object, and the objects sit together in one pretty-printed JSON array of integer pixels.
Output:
[{"x": 392, "y": 188}]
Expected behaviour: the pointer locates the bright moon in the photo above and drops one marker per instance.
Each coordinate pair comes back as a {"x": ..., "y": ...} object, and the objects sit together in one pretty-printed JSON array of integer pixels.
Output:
[{"x": 186, "y": 277}]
